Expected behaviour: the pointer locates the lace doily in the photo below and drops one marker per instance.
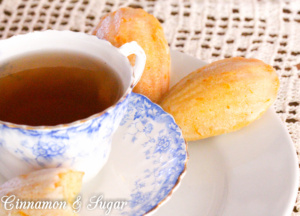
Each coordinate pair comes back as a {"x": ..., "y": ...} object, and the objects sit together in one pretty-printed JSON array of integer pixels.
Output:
[{"x": 208, "y": 29}]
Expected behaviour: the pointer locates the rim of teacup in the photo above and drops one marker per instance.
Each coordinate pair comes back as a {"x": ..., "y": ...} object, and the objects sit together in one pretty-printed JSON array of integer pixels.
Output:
[{"x": 80, "y": 121}]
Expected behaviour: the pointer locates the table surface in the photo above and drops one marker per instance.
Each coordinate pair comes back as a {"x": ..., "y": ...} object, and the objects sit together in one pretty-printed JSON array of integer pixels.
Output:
[{"x": 209, "y": 30}]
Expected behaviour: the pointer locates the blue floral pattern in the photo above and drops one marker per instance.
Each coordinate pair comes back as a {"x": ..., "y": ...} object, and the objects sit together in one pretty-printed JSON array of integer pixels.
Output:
[{"x": 155, "y": 131}]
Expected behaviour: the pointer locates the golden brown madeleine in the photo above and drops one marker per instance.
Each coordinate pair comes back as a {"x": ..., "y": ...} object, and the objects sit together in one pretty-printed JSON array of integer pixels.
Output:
[
  {"x": 221, "y": 97},
  {"x": 129, "y": 24},
  {"x": 54, "y": 184}
]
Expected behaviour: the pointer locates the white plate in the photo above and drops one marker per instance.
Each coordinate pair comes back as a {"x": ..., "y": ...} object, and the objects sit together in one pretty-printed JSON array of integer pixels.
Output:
[{"x": 251, "y": 172}]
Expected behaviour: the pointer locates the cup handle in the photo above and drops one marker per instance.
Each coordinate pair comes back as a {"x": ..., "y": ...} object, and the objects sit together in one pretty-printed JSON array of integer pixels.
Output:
[{"x": 140, "y": 59}]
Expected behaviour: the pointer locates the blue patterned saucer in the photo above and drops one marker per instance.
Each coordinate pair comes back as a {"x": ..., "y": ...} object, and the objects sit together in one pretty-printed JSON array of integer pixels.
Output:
[{"x": 147, "y": 161}]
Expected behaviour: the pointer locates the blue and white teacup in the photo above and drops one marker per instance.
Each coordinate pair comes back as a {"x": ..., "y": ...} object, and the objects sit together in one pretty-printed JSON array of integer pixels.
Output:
[{"x": 81, "y": 145}]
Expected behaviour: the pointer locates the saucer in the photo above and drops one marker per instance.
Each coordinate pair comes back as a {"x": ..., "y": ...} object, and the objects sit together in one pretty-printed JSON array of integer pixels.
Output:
[{"x": 147, "y": 161}]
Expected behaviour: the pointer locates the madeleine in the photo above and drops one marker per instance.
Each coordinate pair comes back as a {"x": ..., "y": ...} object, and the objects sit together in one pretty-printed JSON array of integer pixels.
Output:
[
  {"x": 129, "y": 24},
  {"x": 55, "y": 185},
  {"x": 221, "y": 97}
]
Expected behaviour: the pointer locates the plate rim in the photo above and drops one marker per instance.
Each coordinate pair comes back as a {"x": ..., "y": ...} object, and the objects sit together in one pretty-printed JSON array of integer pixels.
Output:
[{"x": 295, "y": 181}]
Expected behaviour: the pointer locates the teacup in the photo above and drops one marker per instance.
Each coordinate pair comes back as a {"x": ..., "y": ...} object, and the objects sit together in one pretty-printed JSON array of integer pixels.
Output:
[{"x": 83, "y": 144}]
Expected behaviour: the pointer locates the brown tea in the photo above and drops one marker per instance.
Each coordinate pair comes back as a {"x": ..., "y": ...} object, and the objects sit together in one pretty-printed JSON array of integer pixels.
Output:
[{"x": 56, "y": 88}]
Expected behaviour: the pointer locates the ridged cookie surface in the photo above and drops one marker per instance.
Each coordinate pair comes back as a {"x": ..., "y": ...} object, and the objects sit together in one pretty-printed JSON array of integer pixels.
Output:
[{"x": 221, "y": 97}]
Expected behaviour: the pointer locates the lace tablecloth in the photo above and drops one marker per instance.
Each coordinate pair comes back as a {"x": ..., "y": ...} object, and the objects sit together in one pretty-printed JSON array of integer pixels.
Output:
[{"x": 209, "y": 30}]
